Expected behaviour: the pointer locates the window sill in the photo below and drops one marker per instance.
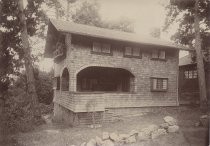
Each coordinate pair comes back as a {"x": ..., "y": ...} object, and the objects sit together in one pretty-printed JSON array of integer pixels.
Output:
[
  {"x": 158, "y": 90},
  {"x": 102, "y": 53},
  {"x": 159, "y": 59},
  {"x": 103, "y": 92},
  {"x": 129, "y": 56}
]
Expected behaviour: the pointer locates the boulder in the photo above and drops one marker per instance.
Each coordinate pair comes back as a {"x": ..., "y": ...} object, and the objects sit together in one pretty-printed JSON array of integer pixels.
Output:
[
  {"x": 142, "y": 136},
  {"x": 131, "y": 139},
  {"x": 158, "y": 133},
  {"x": 133, "y": 132},
  {"x": 170, "y": 120},
  {"x": 152, "y": 127},
  {"x": 123, "y": 136},
  {"x": 91, "y": 142},
  {"x": 105, "y": 135},
  {"x": 173, "y": 128},
  {"x": 204, "y": 121},
  {"x": 204, "y": 117},
  {"x": 197, "y": 124},
  {"x": 164, "y": 125},
  {"x": 99, "y": 141},
  {"x": 83, "y": 144},
  {"x": 108, "y": 143},
  {"x": 114, "y": 137},
  {"x": 147, "y": 131}
]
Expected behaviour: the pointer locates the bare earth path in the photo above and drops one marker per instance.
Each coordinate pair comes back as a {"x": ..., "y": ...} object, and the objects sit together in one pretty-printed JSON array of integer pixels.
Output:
[{"x": 61, "y": 135}]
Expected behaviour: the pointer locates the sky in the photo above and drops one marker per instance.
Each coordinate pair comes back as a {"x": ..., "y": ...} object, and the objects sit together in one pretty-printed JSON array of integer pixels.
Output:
[{"x": 145, "y": 14}]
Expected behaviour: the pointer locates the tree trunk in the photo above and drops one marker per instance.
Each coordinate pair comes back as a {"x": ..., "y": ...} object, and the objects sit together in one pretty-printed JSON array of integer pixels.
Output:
[
  {"x": 200, "y": 64},
  {"x": 208, "y": 79},
  {"x": 1, "y": 101},
  {"x": 34, "y": 105}
]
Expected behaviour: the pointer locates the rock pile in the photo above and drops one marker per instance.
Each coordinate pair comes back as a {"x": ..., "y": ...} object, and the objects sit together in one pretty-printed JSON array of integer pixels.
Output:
[
  {"x": 203, "y": 121},
  {"x": 151, "y": 132}
]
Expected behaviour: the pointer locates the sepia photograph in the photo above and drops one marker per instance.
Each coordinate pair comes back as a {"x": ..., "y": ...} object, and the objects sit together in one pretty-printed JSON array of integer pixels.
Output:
[{"x": 104, "y": 72}]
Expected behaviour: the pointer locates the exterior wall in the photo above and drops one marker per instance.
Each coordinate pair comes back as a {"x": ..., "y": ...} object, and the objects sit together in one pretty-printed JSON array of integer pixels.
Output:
[
  {"x": 188, "y": 88},
  {"x": 79, "y": 56}
]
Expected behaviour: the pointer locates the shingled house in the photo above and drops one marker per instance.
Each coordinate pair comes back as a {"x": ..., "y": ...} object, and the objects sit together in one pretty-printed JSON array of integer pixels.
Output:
[{"x": 106, "y": 71}]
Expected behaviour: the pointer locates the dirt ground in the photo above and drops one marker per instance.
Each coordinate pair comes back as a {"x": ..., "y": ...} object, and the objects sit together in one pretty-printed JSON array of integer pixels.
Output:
[{"x": 61, "y": 135}]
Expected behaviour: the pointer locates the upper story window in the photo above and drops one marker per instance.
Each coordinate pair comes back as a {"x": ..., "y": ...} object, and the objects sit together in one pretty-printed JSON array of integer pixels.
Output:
[
  {"x": 158, "y": 54},
  {"x": 102, "y": 48},
  {"x": 190, "y": 74},
  {"x": 132, "y": 52},
  {"x": 159, "y": 84}
]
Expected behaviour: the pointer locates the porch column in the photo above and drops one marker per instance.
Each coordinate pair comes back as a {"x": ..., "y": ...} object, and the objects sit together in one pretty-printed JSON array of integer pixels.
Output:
[{"x": 72, "y": 81}]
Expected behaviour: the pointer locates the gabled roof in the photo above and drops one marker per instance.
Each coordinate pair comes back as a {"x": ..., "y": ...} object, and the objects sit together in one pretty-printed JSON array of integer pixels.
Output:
[
  {"x": 186, "y": 60},
  {"x": 92, "y": 31}
]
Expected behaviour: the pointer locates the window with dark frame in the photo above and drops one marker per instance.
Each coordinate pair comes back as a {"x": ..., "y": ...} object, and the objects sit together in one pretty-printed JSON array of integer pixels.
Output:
[
  {"x": 102, "y": 48},
  {"x": 158, "y": 54},
  {"x": 190, "y": 74},
  {"x": 132, "y": 52},
  {"x": 159, "y": 84}
]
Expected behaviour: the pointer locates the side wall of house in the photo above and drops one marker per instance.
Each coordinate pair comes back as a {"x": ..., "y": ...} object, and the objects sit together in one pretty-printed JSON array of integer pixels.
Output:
[
  {"x": 79, "y": 56},
  {"x": 188, "y": 87}
]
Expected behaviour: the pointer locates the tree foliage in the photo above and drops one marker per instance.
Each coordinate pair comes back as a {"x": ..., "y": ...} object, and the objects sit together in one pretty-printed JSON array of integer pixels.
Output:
[
  {"x": 13, "y": 56},
  {"x": 194, "y": 29},
  {"x": 11, "y": 51},
  {"x": 182, "y": 11},
  {"x": 44, "y": 86},
  {"x": 88, "y": 13},
  {"x": 17, "y": 101}
]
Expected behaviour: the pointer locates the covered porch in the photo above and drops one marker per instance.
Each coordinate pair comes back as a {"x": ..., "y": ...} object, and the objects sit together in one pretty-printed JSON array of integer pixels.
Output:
[
  {"x": 95, "y": 86},
  {"x": 105, "y": 79}
]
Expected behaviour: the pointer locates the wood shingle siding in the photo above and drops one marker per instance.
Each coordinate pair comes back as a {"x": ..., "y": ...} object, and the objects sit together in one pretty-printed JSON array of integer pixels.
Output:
[{"x": 82, "y": 64}]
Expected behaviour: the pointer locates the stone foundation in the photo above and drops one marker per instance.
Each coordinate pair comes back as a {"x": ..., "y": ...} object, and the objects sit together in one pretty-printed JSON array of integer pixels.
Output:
[{"x": 66, "y": 116}]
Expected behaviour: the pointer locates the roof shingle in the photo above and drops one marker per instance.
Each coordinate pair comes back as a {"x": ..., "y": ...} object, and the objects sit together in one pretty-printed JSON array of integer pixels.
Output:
[{"x": 70, "y": 27}]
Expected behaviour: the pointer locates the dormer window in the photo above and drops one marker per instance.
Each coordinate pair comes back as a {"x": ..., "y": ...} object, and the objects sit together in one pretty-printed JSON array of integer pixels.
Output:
[
  {"x": 158, "y": 54},
  {"x": 132, "y": 52},
  {"x": 101, "y": 48}
]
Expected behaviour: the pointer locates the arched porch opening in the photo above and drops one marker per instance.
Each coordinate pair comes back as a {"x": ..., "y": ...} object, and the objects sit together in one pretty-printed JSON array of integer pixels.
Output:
[
  {"x": 106, "y": 79},
  {"x": 65, "y": 80}
]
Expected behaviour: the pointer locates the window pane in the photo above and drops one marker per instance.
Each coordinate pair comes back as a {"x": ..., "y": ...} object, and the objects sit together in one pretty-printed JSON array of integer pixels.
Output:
[
  {"x": 96, "y": 47},
  {"x": 195, "y": 74},
  {"x": 190, "y": 74},
  {"x": 154, "y": 83},
  {"x": 128, "y": 51},
  {"x": 106, "y": 48},
  {"x": 164, "y": 84},
  {"x": 159, "y": 83},
  {"x": 155, "y": 54},
  {"x": 136, "y": 51},
  {"x": 162, "y": 54},
  {"x": 186, "y": 74}
]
